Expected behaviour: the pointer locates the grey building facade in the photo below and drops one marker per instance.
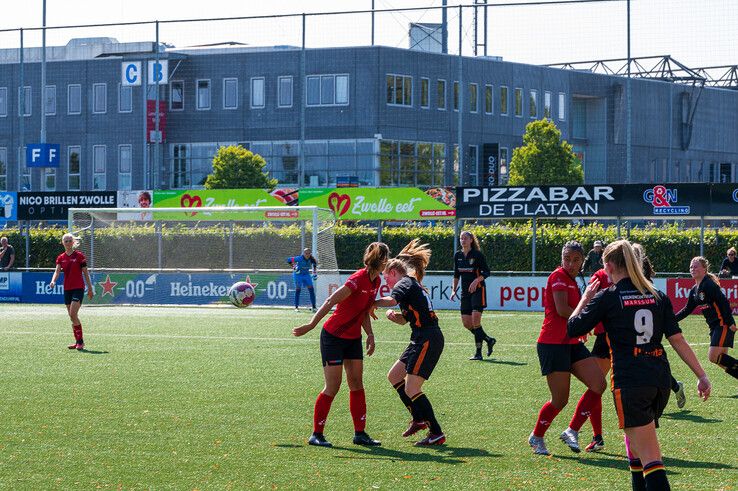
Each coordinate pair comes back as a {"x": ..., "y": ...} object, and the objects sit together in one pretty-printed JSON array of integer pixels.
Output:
[{"x": 375, "y": 115}]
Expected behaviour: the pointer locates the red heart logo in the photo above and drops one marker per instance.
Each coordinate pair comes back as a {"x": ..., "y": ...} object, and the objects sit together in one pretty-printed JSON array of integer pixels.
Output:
[
  {"x": 339, "y": 203},
  {"x": 187, "y": 201}
]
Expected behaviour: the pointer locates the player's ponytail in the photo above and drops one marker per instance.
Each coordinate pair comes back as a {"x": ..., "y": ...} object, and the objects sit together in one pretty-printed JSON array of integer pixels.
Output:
[
  {"x": 376, "y": 256},
  {"x": 646, "y": 265},
  {"x": 474, "y": 240},
  {"x": 621, "y": 255},
  {"x": 414, "y": 256},
  {"x": 706, "y": 264},
  {"x": 75, "y": 244}
]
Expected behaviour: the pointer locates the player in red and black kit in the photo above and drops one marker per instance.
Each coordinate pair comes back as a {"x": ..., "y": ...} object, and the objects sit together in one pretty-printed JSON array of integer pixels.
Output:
[
  {"x": 340, "y": 343},
  {"x": 470, "y": 266},
  {"x": 707, "y": 295},
  {"x": 562, "y": 356},
  {"x": 635, "y": 317},
  {"x": 74, "y": 265},
  {"x": 403, "y": 274}
]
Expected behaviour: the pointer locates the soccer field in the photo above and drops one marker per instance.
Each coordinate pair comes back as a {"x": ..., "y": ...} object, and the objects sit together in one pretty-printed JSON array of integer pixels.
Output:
[{"x": 220, "y": 398}]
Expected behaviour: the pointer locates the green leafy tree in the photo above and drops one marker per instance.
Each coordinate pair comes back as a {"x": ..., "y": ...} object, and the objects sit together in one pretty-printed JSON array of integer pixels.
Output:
[
  {"x": 544, "y": 158},
  {"x": 234, "y": 167}
]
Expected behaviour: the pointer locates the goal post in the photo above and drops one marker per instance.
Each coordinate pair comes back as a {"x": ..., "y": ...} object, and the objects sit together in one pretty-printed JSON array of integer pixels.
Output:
[{"x": 211, "y": 245}]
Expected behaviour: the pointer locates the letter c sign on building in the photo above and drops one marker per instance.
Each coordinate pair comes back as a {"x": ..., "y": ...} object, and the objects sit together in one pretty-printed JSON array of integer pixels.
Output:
[{"x": 130, "y": 73}]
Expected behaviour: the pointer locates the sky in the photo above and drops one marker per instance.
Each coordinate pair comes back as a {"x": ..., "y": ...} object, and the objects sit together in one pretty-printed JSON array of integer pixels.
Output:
[{"x": 695, "y": 32}]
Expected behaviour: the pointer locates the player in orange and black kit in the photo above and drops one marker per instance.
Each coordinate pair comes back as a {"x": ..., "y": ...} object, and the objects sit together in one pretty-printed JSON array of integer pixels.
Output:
[
  {"x": 403, "y": 274},
  {"x": 74, "y": 265},
  {"x": 470, "y": 266},
  {"x": 340, "y": 343},
  {"x": 636, "y": 317},
  {"x": 707, "y": 295}
]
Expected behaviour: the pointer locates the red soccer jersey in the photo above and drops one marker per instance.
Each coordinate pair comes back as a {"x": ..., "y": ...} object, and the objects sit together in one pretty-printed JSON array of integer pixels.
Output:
[
  {"x": 601, "y": 275},
  {"x": 345, "y": 322},
  {"x": 554, "y": 326},
  {"x": 71, "y": 265}
]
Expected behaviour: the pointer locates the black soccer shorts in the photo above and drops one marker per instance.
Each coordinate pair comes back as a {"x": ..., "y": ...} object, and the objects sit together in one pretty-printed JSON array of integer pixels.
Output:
[
  {"x": 474, "y": 301},
  {"x": 333, "y": 350},
  {"x": 560, "y": 357},
  {"x": 638, "y": 406},
  {"x": 76, "y": 295},
  {"x": 422, "y": 354}
]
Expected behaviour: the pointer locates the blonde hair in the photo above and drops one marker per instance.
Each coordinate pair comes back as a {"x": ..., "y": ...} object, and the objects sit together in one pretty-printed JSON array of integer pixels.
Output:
[
  {"x": 732, "y": 249},
  {"x": 706, "y": 264},
  {"x": 414, "y": 256},
  {"x": 621, "y": 255},
  {"x": 376, "y": 256},
  {"x": 75, "y": 239},
  {"x": 474, "y": 240}
]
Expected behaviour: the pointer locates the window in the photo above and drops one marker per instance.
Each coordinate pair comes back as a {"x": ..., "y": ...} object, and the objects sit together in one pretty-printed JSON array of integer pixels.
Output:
[
  {"x": 49, "y": 178},
  {"x": 50, "y": 100},
  {"x": 472, "y": 166},
  {"x": 99, "y": 98},
  {"x": 125, "y": 98},
  {"x": 3, "y": 169},
  {"x": 176, "y": 93},
  {"x": 74, "y": 99},
  {"x": 98, "y": 166},
  {"x": 284, "y": 89},
  {"x": 547, "y": 105},
  {"x": 562, "y": 106},
  {"x": 24, "y": 101},
  {"x": 399, "y": 90},
  {"x": 180, "y": 174},
  {"x": 203, "y": 95},
  {"x": 327, "y": 90},
  {"x": 533, "y": 104},
  {"x": 3, "y": 101},
  {"x": 74, "y": 168},
  {"x": 456, "y": 96},
  {"x": 24, "y": 173},
  {"x": 473, "y": 98},
  {"x": 518, "y": 102},
  {"x": 503, "y": 166},
  {"x": 230, "y": 93},
  {"x": 441, "y": 94},
  {"x": 488, "y": 99},
  {"x": 125, "y": 160},
  {"x": 257, "y": 92},
  {"x": 503, "y": 101},
  {"x": 424, "y": 93}
]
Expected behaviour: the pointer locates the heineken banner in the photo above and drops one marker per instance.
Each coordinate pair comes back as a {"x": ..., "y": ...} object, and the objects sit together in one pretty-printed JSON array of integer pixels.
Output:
[
  {"x": 197, "y": 199},
  {"x": 635, "y": 200},
  {"x": 382, "y": 203}
]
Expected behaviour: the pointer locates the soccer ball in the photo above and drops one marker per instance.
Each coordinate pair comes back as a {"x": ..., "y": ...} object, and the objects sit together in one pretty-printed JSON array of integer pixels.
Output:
[{"x": 242, "y": 294}]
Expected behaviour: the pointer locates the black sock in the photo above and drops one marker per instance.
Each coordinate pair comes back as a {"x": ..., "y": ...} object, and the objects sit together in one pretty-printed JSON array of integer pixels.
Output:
[
  {"x": 674, "y": 385},
  {"x": 485, "y": 337},
  {"x": 424, "y": 409},
  {"x": 729, "y": 364},
  {"x": 478, "y": 338},
  {"x": 637, "y": 481},
  {"x": 655, "y": 476},
  {"x": 400, "y": 388}
]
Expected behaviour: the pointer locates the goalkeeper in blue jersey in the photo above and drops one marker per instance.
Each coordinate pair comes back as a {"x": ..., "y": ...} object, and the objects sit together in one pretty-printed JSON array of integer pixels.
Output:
[{"x": 302, "y": 266}]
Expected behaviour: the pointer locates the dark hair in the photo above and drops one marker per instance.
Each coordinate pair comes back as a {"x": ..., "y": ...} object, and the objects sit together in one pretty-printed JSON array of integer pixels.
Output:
[
  {"x": 376, "y": 256},
  {"x": 474, "y": 240},
  {"x": 414, "y": 256},
  {"x": 572, "y": 246},
  {"x": 646, "y": 265},
  {"x": 145, "y": 194}
]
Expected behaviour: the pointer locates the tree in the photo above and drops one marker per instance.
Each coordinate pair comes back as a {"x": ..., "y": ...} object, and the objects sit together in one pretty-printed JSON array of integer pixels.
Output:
[
  {"x": 234, "y": 167},
  {"x": 544, "y": 158}
]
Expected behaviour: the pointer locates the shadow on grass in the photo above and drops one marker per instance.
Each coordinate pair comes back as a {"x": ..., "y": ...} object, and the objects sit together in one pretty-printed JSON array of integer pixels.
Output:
[
  {"x": 93, "y": 352},
  {"x": 615, "y": 461},
  {"x": 442, "y": 454},
  {"x": 688, "y": 416},
  {"x": 504, "y": 362}
]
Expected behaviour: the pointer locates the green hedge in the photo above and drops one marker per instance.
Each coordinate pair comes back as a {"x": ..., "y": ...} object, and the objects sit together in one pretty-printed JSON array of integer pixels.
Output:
[{"x": 507, "y": 247}]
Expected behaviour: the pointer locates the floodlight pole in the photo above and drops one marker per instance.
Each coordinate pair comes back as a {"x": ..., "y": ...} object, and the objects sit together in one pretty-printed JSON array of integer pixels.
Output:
[
  {"x": 629, "y": 109},
  {"x": 43, "y": 72}
]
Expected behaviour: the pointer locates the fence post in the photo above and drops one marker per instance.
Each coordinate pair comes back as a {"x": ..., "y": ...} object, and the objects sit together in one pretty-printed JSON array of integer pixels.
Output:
[
  {"x": 379, "y": 231},
  {"x": 533, "y": 244},
  {"x": 230, "y": 245},
  {"x": 702, "y": 236},
  {"x": 158, "y": 244}
]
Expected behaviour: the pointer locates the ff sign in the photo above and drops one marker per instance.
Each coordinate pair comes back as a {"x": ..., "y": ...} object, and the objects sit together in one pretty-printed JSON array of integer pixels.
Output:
[
  {"x": 42, "y": 155},
  {"x": 158, "y": 72},
  {"x": 130, "y": 73}
]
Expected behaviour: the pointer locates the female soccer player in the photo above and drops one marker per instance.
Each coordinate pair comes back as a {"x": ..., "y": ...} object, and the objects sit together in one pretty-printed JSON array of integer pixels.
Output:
[
  {"x": 302, "y": 265},
  {"x": 707, "y": 295},
  {"x": 74, "y": 265},
  {"x": 470, "y": 266},
  {"x": 340, "y": 343},
  {"x": 562, "y": 356},
  {"x": 636, "y": 316},
  {"x": 403, "y": 274}
]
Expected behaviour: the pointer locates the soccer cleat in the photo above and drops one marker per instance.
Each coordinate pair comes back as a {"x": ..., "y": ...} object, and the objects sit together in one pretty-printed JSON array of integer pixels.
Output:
[
  {"x": 681, "y": 397},
  {"x": 319, "y": 440},
  {"x": 361, "y": 438},
  {"x": 296, "y": 309},
  {"x": 490, "y": 345},
  {"x": 72, "y": 346},
  {"x": 415, "y": 426},
  {"x": 538, "y": 445},
  {"x": 431, "y": 439},
  {"x": 477, "y": 357},
  {"x": 596, "y": 444},
  {"x": 80, "y": 346},
  {"x": 313, "y": 310},
  {"x": 571, "y": 439}
]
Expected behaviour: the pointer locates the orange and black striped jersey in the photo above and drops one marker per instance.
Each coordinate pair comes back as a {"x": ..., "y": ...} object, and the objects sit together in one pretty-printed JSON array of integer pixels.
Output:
[
  {"x": 712, "y": 301},
  {"x": 415, "y": 304},
  {"x": 470, "y": 266}
]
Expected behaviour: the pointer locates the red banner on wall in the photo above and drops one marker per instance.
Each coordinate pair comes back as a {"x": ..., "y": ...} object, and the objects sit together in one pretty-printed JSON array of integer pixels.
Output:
[
  {"x": 678, "y": 289},
  {"x": 151, "y": 135}
]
